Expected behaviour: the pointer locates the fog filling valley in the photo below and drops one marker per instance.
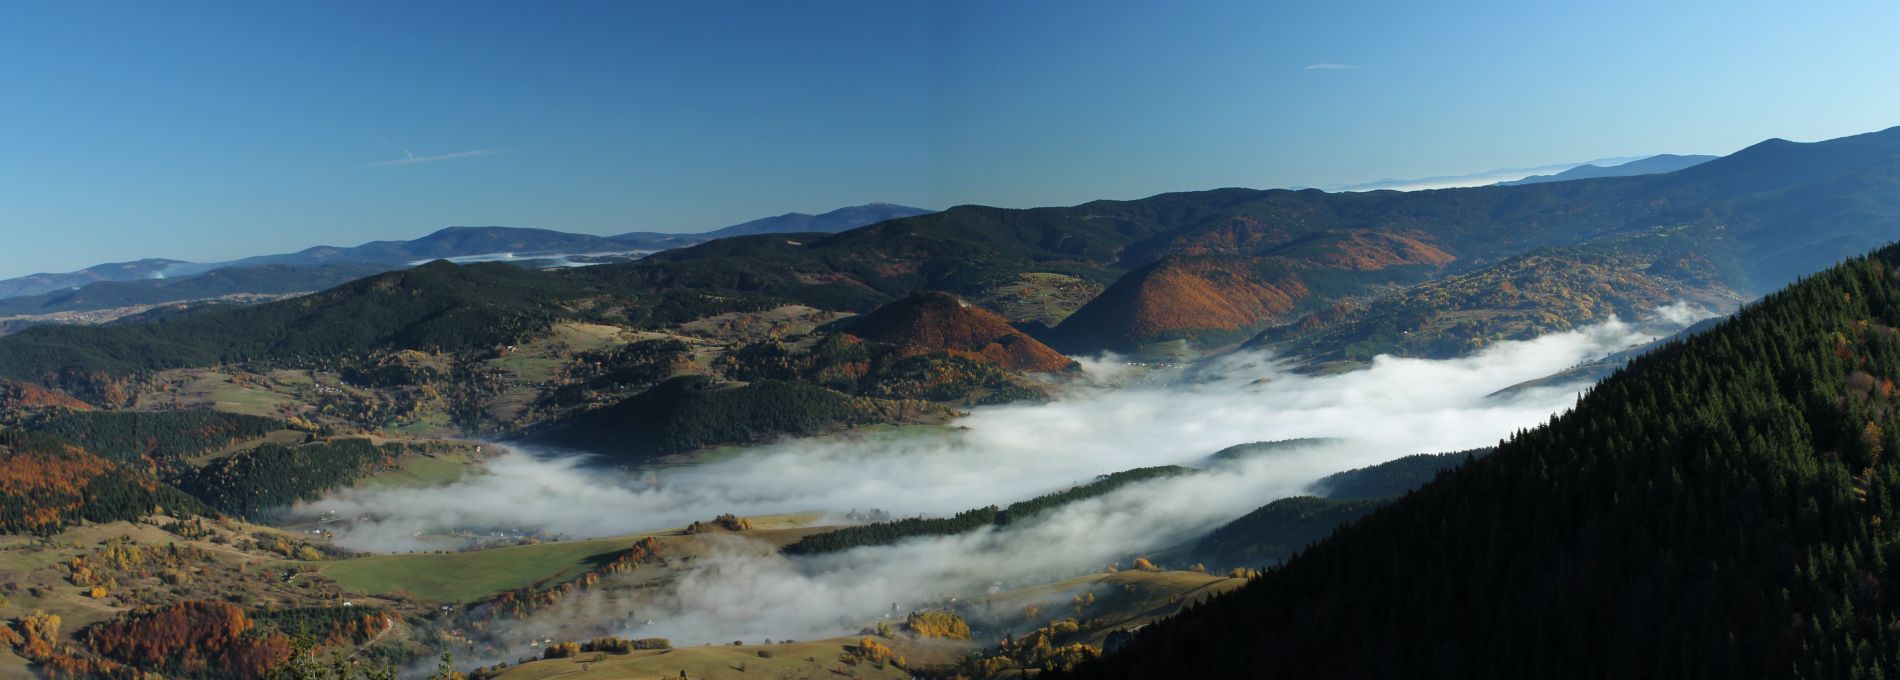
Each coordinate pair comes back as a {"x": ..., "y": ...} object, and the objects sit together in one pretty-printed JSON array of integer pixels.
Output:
[{"x": 1115, "y": 417}]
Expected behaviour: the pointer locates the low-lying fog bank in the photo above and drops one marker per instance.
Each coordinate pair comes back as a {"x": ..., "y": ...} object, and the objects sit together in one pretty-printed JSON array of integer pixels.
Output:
[{"x": 998, "y": 455}]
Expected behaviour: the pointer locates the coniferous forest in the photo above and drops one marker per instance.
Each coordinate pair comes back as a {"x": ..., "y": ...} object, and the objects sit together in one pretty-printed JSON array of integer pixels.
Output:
[{"x": 1719, "y": 508}]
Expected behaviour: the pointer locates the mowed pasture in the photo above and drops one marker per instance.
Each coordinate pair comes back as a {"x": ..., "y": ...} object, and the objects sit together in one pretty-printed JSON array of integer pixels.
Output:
[
  {"x": 469, "y": 576},
  {"x": 816, "y": 659}
]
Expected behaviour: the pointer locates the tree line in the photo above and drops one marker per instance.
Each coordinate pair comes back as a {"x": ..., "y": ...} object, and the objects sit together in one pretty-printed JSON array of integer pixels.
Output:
[{"x": 887, "y": 533}]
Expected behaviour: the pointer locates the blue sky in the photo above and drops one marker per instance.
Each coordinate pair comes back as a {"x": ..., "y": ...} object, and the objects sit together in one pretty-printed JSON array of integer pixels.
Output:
[{"x": 208, "y": 131}]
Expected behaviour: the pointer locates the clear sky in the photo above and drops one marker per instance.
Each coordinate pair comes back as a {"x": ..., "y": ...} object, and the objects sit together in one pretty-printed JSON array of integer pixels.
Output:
[{"x": 208, "y": 131}]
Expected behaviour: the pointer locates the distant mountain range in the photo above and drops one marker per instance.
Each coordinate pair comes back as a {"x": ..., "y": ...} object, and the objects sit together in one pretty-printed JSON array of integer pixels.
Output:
[
  {"x": 154, "y": 281},
  {"x": 1659, "y": 163},
  {"x": 1327, "y": 273},
  {"x": 794, "y": 223},
  {"x": 1215, "y": 267},
  {"x": 1474, "y": 179},
  {"x": 36, "y": 284}
]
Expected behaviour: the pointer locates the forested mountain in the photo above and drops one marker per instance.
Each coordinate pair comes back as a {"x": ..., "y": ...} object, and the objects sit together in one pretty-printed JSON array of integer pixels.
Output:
[
  {"x": 938, "y": 322},
  {"x": 690, "y": 412},
  {"x": 36, "y": 284},
  {"x": 1286, "y": 526},
  {"x": 133, "y": 437},
  {"x": 1748, "y": 207},
  {"x": 47, "y": 484},
  {"x": 16, "y": 396},
  {"x": 1546, "y": 291},
  {"x": 439, "y": 305},
  {"x": 157, "y": 280},
  {"x": 832, "y": 222},
  {"x": 1213, "y": 267},
  {"x": 1716, "y": 509},
  {"x": 263, "y": 280},
  {"x": 444, "y": 243},
  {"x": 1659, "y": 163}
]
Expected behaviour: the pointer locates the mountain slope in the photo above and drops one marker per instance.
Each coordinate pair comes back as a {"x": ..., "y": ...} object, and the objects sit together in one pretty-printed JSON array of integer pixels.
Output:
[
  {"x": 691, "y": 412},
  {"x": 930, "y": 322},
  {"x": 1546, "y": 291},
  {"x": 1749, "y": 203},
  {"x": 442, "y": 244},
  {"x": 1212, "y": 300},
  {"x": 439, "y": 305},
  {"x": 37, "y": 284},
  {"x": 264, "y": 279},
  {"x": 1656, "y": 164},
  {"x": 1716, "y": 509},
  {"x": 47, "y": 484},
  {"x": 156, "y": 280},
  {"x": 832, "y": 222},
  {"x": 1280, "y": 529}
]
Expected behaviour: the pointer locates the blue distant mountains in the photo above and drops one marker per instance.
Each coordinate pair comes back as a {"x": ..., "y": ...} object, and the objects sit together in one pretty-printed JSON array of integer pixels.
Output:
[{"x": 159, "y": 280}]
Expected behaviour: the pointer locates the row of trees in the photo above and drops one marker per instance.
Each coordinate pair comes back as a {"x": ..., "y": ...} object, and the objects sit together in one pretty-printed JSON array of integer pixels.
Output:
[{"x": 887, "y": 533}]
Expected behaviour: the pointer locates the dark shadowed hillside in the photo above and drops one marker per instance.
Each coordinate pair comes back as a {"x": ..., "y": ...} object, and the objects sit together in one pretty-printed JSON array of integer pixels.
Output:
[
  {"x": 691, "y": 412},
  {"x": 434, "y": 306},
  {"x": 1716, "y": 509}
]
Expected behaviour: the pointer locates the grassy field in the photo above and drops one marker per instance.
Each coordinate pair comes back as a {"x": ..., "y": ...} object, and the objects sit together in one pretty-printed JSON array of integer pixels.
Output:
[
  {"x": 33, "y": 567},
  {"x": 817, "y": 659},
  {"x": 12, "y": 666},
  {"x": 215, "y": 390},
  {"x": 423, "y": 472},
  {"x": 461, "y": 577},
  {"x": 431, "y": 424},
  {"x": 469, "y": 576},
  {"x": 1123, "y": 599}
]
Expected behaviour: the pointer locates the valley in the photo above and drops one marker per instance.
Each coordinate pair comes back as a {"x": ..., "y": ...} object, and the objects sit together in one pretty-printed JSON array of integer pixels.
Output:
[{"x": 981, "y": 443}]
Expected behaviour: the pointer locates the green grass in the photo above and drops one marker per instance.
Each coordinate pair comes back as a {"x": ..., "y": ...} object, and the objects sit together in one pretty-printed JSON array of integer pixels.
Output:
[
  {"x": 431, "y": 424},
  {"x": 280, "y": 438},
  {"x": 464, "y": 577},
  {"x": 720, "y": 661},
  {"x": 423, "y": 472},
  {"x": 530, "y": 368},
  {"x": 246, "y": 400},
  {"x": 876, "y": 432}
]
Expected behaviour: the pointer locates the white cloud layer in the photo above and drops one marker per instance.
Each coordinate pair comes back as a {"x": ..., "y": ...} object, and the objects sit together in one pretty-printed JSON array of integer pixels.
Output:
[{"x": 1121, "y": 419}]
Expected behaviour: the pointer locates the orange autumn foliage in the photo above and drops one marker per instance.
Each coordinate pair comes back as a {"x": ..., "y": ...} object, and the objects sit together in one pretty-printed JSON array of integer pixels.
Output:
[
  {"x": 196, "y": 637},
  {"x": 930, "y": 322}
]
